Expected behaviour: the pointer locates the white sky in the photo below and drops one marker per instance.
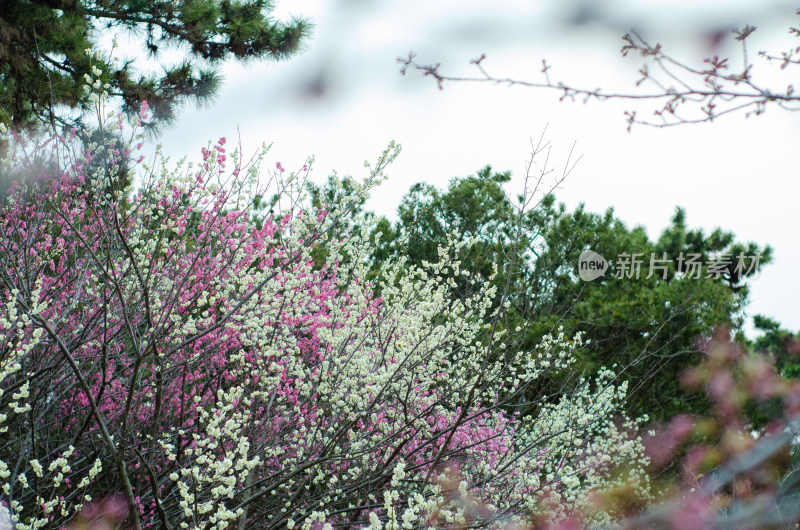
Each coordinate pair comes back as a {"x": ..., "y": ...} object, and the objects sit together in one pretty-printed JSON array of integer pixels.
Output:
[{"x": 739, "y": 174}]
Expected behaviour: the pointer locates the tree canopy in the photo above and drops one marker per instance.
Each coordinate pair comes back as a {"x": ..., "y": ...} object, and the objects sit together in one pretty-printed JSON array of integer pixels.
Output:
[
  {"x": 646, "y": 324},
  {"x": 47, "y": 48}
]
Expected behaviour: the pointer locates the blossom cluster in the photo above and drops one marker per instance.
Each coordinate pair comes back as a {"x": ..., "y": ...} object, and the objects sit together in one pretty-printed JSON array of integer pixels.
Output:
[{"x": 185, "y": 349}]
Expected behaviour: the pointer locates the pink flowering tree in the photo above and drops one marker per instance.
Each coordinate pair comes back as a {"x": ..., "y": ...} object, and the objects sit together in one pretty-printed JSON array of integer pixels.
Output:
[
  {"x": 172, "y": 356},
  {"x": 178, "y": 353}
]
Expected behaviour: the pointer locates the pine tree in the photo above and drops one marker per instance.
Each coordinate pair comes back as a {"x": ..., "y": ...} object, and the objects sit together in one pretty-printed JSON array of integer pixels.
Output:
[{"x": 44, "y": 59}]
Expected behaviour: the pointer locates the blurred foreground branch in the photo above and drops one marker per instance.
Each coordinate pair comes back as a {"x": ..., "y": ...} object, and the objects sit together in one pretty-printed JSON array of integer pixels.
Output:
[{"x": 683, "y": 93}]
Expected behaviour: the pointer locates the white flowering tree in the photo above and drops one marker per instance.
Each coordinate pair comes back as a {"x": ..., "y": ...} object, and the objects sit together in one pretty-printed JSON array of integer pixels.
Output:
[{"x": 175, "y": 358}]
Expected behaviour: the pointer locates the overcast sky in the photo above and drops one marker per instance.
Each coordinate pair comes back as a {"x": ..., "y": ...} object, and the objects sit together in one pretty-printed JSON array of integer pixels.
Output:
[{"x": 343, "y": 100}]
